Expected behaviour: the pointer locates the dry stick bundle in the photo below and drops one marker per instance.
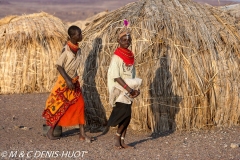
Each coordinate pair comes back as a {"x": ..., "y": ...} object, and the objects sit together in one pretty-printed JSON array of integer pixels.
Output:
[
  {"x": 30, "y": 46},
  {"x": 187, "y": 55}
]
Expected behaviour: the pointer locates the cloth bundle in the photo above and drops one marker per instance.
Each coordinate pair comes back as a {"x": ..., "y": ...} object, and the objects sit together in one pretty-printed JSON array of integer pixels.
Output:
[{"x": 120, "y": 94}]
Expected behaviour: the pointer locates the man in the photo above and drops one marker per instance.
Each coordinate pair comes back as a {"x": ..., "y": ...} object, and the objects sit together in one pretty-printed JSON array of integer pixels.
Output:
[{"x": 122, "y": 67}]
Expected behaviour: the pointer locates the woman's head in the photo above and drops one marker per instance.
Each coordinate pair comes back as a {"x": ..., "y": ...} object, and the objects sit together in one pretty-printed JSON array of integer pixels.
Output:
[{"x": 75, "y": 34}]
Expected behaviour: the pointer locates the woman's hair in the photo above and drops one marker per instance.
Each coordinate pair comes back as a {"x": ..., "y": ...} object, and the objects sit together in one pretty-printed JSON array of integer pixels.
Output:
[{"x": 72, "y": 30}]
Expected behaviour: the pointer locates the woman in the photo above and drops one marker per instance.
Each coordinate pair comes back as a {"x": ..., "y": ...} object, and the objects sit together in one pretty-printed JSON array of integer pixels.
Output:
[{"x": 65, "y": 104}]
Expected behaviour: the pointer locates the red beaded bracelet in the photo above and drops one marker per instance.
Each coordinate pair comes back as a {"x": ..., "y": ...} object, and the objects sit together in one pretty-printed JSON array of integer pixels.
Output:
[{"x": 125, "y": 86}]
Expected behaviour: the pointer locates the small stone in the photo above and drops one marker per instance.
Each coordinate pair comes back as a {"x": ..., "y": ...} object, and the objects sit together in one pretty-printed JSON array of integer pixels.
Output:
[
  {"x": 234, "y": 145},
  {"x": 24, "y": 128},
  {"x": 225, "y": 146},
  {"x": 16, "y": 127},
  {"x": 184, "y": 142}
]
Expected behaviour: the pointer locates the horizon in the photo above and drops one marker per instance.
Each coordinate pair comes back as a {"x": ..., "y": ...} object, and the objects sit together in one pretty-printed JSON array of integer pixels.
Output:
[{"x": 76, "y": 10}]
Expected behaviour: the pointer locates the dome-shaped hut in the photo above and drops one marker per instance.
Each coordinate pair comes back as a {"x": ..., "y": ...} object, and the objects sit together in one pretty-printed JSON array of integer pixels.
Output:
[
  {"x": 30, "y": 45},
  {"x": 187, "y": 55}
]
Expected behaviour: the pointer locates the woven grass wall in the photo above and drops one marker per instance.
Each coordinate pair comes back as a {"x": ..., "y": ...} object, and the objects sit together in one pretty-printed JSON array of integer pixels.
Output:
[
  {"x": 187, "y": 55},
  {"x": 29, "y": 48}
]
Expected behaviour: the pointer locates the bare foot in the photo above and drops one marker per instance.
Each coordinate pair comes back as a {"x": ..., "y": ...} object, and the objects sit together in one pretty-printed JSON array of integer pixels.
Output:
[
  {"x": 117, "y": 142},
  {"x": 125, "y": 145},
  {"x": 83, "y": 136},
  {"x": 118, "y": 147},
  {"x": 50, "y": 135},
  {"x": 86, "y": 138}
]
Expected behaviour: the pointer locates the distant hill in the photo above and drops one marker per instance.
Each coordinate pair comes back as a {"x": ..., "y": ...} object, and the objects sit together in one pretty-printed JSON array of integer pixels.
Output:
[
  {"x": 4, "y": 2},
  {"x": 71, "y": 10},
  {"x": 67, "y": 10}
]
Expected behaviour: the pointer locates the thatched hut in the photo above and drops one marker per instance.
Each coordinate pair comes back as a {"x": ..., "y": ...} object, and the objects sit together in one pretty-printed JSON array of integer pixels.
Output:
[
  {"x": 30, "y": 45},
  {"x": 187, "y": 55}
]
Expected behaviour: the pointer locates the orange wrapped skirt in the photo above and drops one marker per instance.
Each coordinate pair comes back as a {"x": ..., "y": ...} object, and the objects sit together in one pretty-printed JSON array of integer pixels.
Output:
[{"x": 64, "y": 107}]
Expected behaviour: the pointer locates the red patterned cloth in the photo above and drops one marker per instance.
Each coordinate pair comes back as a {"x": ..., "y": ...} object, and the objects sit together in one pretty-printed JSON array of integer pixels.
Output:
[{"x": 59, "y": 102}]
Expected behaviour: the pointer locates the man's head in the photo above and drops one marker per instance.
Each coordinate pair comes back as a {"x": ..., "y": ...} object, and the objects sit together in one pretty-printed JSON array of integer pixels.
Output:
[
  {"x": 75, "y": 33},
  {"x": 124, "y": 38},
  {"x": 125, "y": 41}
]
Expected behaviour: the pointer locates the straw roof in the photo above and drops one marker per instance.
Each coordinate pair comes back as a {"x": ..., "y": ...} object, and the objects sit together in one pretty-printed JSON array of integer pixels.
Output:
[
  {"x": 30, "y": 45},
  {"x": 233, "y": 10},
  {"x": 187, "y": 55}
]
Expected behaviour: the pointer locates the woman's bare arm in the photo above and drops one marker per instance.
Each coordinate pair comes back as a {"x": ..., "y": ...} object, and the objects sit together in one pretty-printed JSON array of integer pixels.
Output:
[{"x": 66, "y": 77}]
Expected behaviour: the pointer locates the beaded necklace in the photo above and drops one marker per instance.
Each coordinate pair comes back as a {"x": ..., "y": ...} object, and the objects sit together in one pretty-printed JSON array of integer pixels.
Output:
[
  {"x": 72, "y": 46},
  {"x": 122, "y": 52}
]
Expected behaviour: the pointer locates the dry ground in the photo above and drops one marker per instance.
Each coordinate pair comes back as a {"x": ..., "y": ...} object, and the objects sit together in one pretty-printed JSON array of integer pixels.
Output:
[{"x": 21, "y": 133}]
